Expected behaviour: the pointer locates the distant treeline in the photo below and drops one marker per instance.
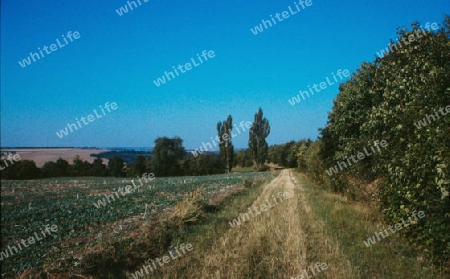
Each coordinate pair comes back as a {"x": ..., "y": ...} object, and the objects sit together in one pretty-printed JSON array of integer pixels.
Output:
[
  {"x": 188, "y": 165},
  {"x": 168, "y": 158},
  {"x": 128, "y": 156},
  {"x": 116, "y": 167}
]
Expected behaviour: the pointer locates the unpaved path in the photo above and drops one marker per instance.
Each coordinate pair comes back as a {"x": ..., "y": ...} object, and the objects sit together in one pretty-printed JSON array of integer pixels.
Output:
[{"x": 274, "y": 243}]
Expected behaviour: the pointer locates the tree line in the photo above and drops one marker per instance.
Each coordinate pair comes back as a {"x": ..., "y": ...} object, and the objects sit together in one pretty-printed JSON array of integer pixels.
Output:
[{"x": 168, "y": 158}]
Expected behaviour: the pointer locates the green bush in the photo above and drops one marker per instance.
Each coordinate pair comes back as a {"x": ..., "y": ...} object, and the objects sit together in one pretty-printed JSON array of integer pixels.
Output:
[{"x": 384, "y": 100}]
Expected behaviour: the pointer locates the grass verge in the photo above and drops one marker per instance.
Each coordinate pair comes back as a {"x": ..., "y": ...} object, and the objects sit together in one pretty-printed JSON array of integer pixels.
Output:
[
  {"x": 204, "y": 234},
  {"x": 349, "y": 224}
]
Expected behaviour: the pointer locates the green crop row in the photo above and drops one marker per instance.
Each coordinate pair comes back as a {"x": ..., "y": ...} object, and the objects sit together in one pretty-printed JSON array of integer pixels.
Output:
[{"x": 28, "y": 205}]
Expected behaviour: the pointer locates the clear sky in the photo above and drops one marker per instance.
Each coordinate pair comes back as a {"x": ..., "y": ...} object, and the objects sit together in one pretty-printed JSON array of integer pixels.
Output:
[{"x": 117, "y": 58}]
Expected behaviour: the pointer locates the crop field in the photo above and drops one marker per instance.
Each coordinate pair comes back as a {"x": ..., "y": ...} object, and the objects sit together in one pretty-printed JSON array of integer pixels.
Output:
[{"x": 28, "y": 205}]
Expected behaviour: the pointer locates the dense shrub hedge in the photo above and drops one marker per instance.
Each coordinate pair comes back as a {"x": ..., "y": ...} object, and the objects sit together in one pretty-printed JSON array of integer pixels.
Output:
[{"x": 384, "y": 100}]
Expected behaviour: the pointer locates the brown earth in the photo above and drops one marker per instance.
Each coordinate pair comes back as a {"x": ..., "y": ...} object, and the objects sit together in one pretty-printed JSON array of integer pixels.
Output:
[{"x": 42, "y": 155}]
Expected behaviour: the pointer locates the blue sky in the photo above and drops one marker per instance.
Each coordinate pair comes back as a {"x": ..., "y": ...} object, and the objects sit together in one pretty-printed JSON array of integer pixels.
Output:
[{"x": 117, "y": 58}]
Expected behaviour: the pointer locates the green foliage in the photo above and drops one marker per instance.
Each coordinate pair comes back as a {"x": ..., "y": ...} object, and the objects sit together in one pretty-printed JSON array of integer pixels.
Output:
[
  {"x": 382, "y": 101},
  {"x": 128, "y": 156},
  {"x": 313, "y": 163},
  {"x": 26, "y": 169},
  {"x": 140, "y": 167},
  {"x": 167, "y": 154},
  {"x": 80, "y": 167},
  {"x": 224, "y": 131},
  {"x": 98, "y": 168},
  {"x": 23, "y": 169},
  {"x": 28, "y": 205},
  {"x": 257, "y": 144},
  {"x": 203, "y": 165},
  {"x": 115, "y": 166},
  {"x": 301, "y": 157},
  {"x": 263, "y": 168},
  {"x": 286, "y": 155},
  {"x": 243, "y": 158}
]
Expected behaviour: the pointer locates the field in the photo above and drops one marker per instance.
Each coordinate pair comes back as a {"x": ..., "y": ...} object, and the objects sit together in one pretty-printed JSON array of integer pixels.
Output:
[
  {"x": 119, "y": 238},
  {"x": 27, "y": 206},
  {"x": 290, "y": 239},
  {"x": 42, "y": 155}
]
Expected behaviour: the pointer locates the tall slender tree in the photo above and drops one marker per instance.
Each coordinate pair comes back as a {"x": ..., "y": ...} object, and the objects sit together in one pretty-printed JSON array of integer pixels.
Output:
[
  {"x": 224, "y": 130},
  {"x": 257, "y": 139}
]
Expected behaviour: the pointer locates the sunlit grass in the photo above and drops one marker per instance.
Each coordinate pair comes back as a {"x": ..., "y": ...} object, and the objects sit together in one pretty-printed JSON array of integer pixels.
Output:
[{"x": 350, "y": 223}]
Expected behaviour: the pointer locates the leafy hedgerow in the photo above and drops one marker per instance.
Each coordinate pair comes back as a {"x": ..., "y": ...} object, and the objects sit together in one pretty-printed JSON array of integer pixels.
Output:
[{"x": 384, "y": 100}]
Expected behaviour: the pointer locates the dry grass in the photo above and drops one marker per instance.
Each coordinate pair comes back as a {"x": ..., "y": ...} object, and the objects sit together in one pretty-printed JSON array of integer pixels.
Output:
[
  {"x": 312, "y": 226},
  {"x": 272, "y": 244},
  {"x": 348, "y": 224},
  {"x": 320, "y": 247},
  {"x": 189, "y": 209}
]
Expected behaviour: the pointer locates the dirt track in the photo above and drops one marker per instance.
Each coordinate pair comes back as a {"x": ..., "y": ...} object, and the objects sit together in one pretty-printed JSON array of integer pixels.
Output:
[{"x": 274, "y": 243}]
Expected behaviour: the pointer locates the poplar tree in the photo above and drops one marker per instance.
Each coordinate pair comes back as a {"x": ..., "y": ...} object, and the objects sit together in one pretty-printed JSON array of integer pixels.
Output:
[
  {"x": 257, "y": 144},
  {"x": 224, "y": 130}
]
